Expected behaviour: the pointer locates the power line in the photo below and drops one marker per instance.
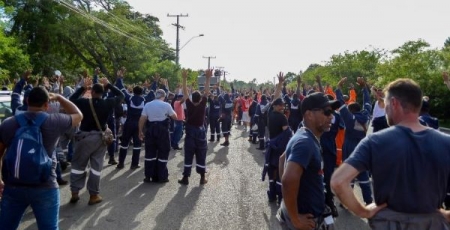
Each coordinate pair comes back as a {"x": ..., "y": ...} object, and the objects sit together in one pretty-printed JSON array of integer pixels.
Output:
[{"x": 119, "y": 19}]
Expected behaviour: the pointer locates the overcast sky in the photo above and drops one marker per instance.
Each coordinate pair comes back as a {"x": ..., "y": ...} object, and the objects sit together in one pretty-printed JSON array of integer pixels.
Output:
[{"x": 259, "y": 38}]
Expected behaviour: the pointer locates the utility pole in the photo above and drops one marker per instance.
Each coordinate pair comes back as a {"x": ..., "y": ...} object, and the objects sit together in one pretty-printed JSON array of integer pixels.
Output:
[
  {"x": 177, "y": 49},
  {"x": 224, "y": 75},
  {"x": 221, "y": 71},
  {"x": 209, "y": 60}
]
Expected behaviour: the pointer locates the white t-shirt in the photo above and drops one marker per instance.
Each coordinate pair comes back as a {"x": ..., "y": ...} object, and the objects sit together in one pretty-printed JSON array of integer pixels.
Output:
[
  {"x": 378, "y": 111},
  {"x": 157, "y": 110}
]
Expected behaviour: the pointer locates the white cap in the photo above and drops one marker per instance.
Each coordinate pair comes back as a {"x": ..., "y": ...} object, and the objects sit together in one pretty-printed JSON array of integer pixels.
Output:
[{"x": 58, "y": 73}]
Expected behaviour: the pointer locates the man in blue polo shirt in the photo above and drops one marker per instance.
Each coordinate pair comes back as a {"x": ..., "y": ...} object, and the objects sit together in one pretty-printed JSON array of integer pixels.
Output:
[
  {"x": 409, "y": 164},
  {"x": 301, "y": 166}
]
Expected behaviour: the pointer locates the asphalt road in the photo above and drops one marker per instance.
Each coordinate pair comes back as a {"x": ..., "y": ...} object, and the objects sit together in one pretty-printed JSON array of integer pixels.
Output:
[{"x": 234, "y": 198}]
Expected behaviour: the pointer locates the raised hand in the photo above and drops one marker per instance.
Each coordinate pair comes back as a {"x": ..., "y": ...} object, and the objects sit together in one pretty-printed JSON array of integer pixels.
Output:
[
  {"x": 46, "y": 82},
  {"x": 318, "y": 78},
  {"x": 156, "y": 77},
  {"x": 280, "y": 77},
  {"x": 184, "y": 74},
  {"x": 85, "y": 74},
  {"x": 104, "y": 81},
  {"x": 61, "y": 79},
  {"x": 342, "y": 81},
  {"x": 119, "y": 73},
  {"x": 97, "y": 71},
  {"x": 26, "y": 75},
  {"x": 209, "y": 73},
  {"x": 360, "y": 81},
  {"x": 87, "y": 82}
]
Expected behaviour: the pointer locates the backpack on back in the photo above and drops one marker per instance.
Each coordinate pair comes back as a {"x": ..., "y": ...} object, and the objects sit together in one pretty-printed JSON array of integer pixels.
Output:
[{"x": 26, "y": 161}]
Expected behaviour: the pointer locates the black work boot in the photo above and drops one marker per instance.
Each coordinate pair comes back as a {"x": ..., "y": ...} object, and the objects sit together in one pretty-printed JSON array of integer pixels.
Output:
[
  {"x": 261, "y": 145},
  {"x": 184, "y": 180},
  {"x": 112, "y": 161},
  {"x": 203, "y": 180}
]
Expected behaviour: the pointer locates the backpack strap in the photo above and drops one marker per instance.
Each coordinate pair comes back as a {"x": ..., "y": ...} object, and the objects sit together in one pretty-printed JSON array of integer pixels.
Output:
[
  {"x": 23, "y": 120},
  {"x": 40, "y": 118}
]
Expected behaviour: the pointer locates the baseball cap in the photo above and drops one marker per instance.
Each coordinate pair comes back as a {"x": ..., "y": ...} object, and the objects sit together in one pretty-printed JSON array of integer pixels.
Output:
[
  {"x": 58, "y": 73},
  {"x": 318, "y": 100}
]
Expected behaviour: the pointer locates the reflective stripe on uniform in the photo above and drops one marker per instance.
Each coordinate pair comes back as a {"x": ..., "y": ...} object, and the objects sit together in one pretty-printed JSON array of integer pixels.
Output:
[
  {"x": 95, "y": 172},
  {"x": 74, "y": 171}
]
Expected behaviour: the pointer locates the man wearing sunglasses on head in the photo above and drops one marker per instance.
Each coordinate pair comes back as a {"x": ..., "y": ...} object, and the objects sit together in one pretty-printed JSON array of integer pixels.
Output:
[{"x": 356, "y": 120}]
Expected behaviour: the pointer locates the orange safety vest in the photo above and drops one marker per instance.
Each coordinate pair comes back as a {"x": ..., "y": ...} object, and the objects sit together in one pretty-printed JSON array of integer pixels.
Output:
[{"x": 339, "y": 142}]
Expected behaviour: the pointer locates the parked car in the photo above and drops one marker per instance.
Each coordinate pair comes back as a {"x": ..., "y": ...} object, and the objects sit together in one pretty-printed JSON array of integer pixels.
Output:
[{"x": 5, "y": 105}]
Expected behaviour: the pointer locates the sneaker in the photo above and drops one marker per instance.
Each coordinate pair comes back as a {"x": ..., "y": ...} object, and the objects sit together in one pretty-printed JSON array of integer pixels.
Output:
[
  {"x": 95, "y": 199},
  {"x": 147, "y": 180}
]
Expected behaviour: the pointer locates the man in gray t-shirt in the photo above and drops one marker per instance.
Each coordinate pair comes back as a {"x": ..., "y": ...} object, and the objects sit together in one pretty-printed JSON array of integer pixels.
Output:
[
  {"x": 43, "y": 198},
  {"x": 409, "y": 164}
]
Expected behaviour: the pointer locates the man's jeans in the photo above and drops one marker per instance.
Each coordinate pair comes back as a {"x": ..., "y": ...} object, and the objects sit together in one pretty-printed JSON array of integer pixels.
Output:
[
  {"x": 43, "y": 201},
  {"x": 177, "y": 133}
]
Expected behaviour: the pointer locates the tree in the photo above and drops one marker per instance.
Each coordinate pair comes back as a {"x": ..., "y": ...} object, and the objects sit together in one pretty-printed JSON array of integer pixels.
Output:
[
  {"x": 447, "y": 42},
  {"x": 87, "y": 34},
  {"x": 13, "y": 59}
]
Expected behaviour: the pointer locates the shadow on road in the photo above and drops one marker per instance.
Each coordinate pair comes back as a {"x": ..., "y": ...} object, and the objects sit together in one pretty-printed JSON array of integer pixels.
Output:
[
  {"x": 220, "y": 157},
  {"x": 178, "y": 208},
  {"x": 125, "y": 198}
]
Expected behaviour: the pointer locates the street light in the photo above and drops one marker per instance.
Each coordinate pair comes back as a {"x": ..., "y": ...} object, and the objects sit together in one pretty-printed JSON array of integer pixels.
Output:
[
  {"x": 178, "y": 50},
  {"x": 200, "y": 35}
]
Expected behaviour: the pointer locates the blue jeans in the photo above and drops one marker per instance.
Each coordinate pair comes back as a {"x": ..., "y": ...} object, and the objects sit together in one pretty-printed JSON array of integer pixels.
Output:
[
  {"x": 43, "y": 201},
  {"x": 177, "y": 133}
]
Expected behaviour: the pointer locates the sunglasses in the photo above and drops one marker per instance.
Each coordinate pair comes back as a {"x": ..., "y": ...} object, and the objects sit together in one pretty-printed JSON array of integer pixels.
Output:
[{"x": 326, "y": 112}]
